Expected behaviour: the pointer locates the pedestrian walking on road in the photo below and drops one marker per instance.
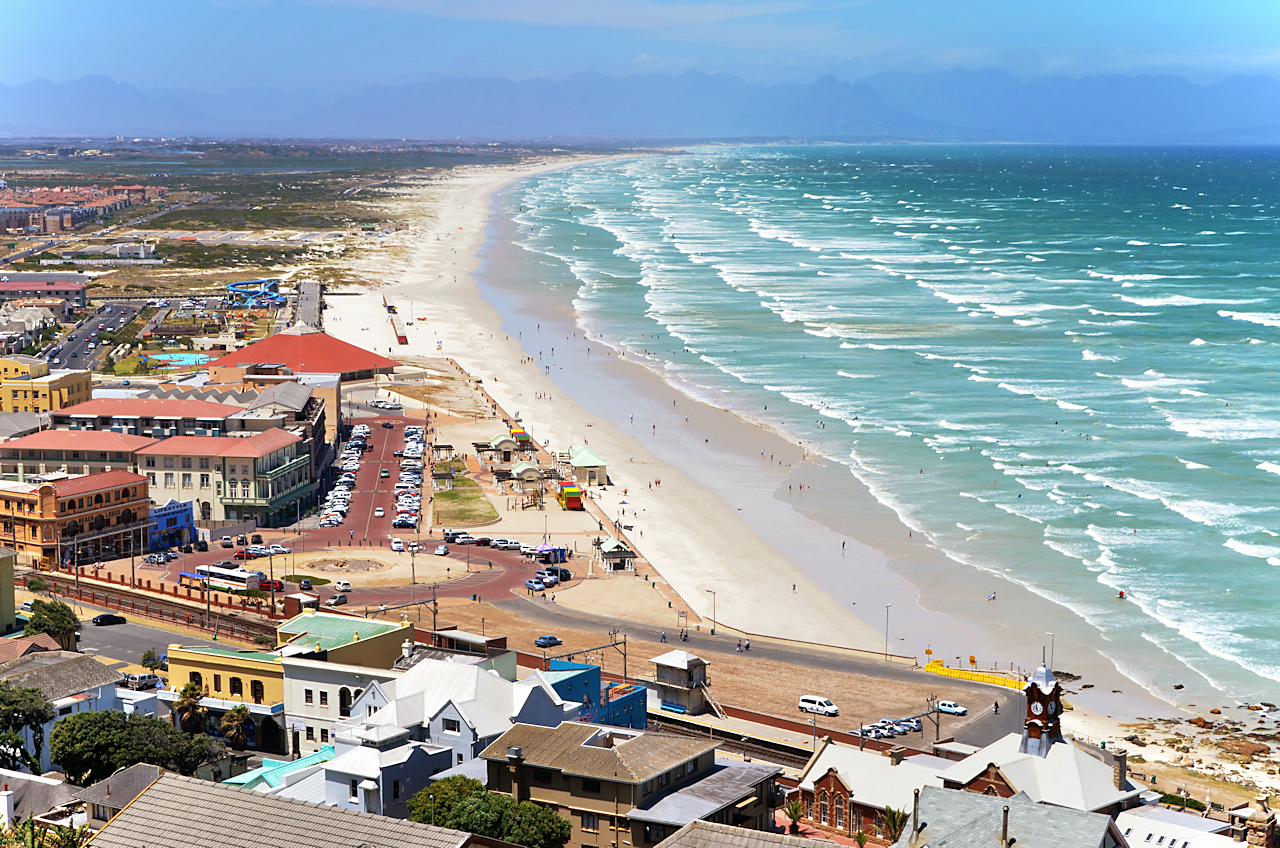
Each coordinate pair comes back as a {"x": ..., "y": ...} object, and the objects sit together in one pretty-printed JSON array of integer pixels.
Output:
[
  {"x": 746, "y": 645},
  {"x": 739, "y": 646},
  {"x": 664, "y": 636},
  {"x": 995, "y": 708}
]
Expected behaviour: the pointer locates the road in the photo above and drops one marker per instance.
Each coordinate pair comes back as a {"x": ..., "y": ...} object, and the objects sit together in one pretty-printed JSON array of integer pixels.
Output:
[{"x": 73, "y": 350}]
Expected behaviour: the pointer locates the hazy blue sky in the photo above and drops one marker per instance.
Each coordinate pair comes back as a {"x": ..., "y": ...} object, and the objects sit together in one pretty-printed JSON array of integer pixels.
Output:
[{"x": 218, "y": 44}]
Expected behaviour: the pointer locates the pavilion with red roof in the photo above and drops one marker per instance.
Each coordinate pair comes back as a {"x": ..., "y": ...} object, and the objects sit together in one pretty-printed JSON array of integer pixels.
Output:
[{"x": 303, "y": 350}]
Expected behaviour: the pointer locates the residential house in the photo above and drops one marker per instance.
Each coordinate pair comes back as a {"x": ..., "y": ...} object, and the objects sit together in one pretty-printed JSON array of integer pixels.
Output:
[
  {"x": 179, "y": 812},
  {"x": 106, "y": 798},
  {"x": 72, "y": 453},
  {"x": 60, "y": 518},
  {"x": 845, "y": 790},
  {"x": 366, "y": 779},
  {"x": 30, "y": 795},
  {"x": 27, "y": 384},
  {"x": 12, "y": 649},
  {"x": 265, "y": 477},
  {"x": 618, "y": 786},
  {"x": 970, "y": 820},
  {"x": 1163, "y": 827},
  {"x": 617, "y": 704},
  {"x": 73, "y": 683}
]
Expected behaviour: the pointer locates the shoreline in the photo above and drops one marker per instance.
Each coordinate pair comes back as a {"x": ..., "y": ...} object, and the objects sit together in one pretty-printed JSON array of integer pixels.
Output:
[{"x": 462, "y": 246}]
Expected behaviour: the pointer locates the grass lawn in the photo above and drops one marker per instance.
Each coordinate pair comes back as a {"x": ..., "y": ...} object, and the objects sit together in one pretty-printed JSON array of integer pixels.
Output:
[
  {"x": 464, "y": 504},
  {"x": 315, "y": 581}
]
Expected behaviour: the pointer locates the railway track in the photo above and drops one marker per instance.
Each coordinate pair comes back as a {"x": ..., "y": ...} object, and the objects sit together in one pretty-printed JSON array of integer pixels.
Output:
[{"x": 754, "y": 748}]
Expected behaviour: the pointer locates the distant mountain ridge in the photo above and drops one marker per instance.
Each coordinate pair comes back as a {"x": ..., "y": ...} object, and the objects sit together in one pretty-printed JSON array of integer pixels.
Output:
[{"x": 955, "y": 105}]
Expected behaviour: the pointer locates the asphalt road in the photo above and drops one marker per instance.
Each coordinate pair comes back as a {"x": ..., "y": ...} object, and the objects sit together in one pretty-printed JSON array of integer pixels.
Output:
[
  {"x": 75, "y": 351},
  {"x": 126, "y": 642}
]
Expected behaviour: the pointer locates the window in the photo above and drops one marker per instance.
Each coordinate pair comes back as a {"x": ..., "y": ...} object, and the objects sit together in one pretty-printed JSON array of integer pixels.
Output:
[
  {"x": 354, "y": 792},
  {"x": 204, "y": 463},
  {"x": 591, "y": 822},
  {"x": 822, "y": 808},
  {"x": 324, "y": 734},
  {"x": 592, "y": 786},
  {"x": 311, "y": 734},
  {"x": 324, "y": 698},
  {"x": 186, "y": 462},
  {"x": 452, "y": 725},
  {"x": 691, "y": 767},
  {"x": 186, "y": 481},
  {"x": 258, "y": 691},
  {"x": 395, "y": 790},
  {"x": 839, "y": 813},
  {"x": 237, "y": 686},
  {"x": 344, "y": 702},
  {"x": 665, "y": 780},
  {"x": 168, "y": 479},
  {"x": 217, "y": 487},
  {"x": 646, "y": 788},
  {"x": 151, "y": 478},
  {"x": 542, "y": 776},
  {"x": 204, "y": 481},
  {"x": 306, "y": 696},
  {"x": 194, "y": 677},
  {"x": 459, "y": 759},
  {"x": 168, "y": 462},
  {"x": 217, "y": 683},
  {"x": 65, "y": 711}
]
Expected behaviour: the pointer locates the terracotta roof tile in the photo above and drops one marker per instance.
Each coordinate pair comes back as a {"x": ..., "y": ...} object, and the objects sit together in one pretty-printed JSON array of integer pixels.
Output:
[
  {"x": 268, "y": 441},
  {"x": 95, "y": 482},
  {"x": 307, "y": 353},
  {"x": 154, "y": 407},
  {"x": 90, "y": 440}
]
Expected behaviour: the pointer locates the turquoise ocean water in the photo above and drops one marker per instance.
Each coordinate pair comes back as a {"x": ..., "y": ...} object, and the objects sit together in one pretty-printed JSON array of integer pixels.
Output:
[{"x": 1058, "y": 363}]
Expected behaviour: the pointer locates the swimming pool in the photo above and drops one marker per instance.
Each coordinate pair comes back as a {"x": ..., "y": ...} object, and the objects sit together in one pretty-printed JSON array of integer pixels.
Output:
[{"x": 178, "y": 359}]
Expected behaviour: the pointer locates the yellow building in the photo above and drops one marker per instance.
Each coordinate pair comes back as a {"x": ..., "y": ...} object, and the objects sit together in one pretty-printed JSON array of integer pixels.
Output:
[
  {"x": 231, "y": 678},
  {"x": 27, "y": 384},
  {"x": 345, "y": 639}
]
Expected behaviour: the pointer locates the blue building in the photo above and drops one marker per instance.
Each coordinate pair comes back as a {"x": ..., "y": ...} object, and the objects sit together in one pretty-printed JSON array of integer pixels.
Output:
[
  {"x": 173, "y": 524},
  {"x": 617, "y": 704}
]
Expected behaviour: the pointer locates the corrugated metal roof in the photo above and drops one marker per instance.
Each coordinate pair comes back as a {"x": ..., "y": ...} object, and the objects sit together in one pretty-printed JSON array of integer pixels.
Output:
[
  {"x": 332, "y": 631},
  {"x": 701, "y": 834},
  {"x": 634, "y": 757}
]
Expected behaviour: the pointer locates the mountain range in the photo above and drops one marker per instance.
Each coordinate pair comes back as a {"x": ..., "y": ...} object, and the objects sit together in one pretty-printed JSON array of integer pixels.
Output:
[{"x": 954, "y": 105}]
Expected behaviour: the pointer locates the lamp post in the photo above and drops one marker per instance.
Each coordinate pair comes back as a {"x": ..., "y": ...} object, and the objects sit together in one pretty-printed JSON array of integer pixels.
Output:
[
  {"x": 713, "y": 611},
  {"x": 814, "y": 721},
  {"x": 1052, "y": 643},
  {"x": 886, "y": 631}
]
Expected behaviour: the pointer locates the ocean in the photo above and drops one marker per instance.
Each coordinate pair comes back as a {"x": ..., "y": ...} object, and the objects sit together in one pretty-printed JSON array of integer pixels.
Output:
[{"x": 1058, "y": 364}]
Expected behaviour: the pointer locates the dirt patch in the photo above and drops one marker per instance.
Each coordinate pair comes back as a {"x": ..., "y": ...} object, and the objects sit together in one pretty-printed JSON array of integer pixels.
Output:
[
  {"x": 444, "y": 387},
  {"x": 347, "y": 566}
]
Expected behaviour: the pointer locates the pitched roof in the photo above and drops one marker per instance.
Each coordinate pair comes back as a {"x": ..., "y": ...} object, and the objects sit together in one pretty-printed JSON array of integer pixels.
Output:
[
  {"x": 332, "y": 631},
  {"x": 34, "y": 795},
  {"x": 259, "y": 444},
  {"x": 306, "y": 352},
  {"x": 153, "y": 407},
  {"x": 58, "y": 674},
  {"x": 120, "y": 788},
  {"x": 91, "y": 440},
  {"x": 292, "y": 396},
  {"x": 183, "y": 812},
  {"x": 11, "y": 649},
  {"x": 580, "y": 749},
  {"x": 273, "y": 772},
  {"x": 972, "y": 820},
  {"x": 703, "y": 834},
  {"x": 871, "y": 777},
  {"x": 1065, "y": 776},
  {"x": 725, "y": 786},
  {"x": 95, "y": 482},
  {"x": 678, "y": 659},
  {"x": 581, "y": 456}
]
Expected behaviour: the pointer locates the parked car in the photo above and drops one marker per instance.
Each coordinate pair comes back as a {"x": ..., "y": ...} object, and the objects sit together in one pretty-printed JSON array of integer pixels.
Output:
[
  {"x": 271, "y": 585},
  {"x": 186, "y": 549},
  {"x": 534, "y": 584},
  {"x": 548, "y": 579},
  {"x": 304, "y": 583},
  {"x": 564, "y": 574},
  {"x": 202, "y": 545},
  {"x": 280, "y": 549},
  {"x": 818, "y": 704},
  {"x": 242, "y": 539},
  {"x": 910, "y": 723},
  {"x": 245, "y": 553},
  {"x": 342, "y": 586},
  {"x": 442, "y": 550},
  {"x": 387, "y": 425},
  {"x": 26, "y": 607},
  {"x": 108, "y": 618},
  {"x": 397, "y": 545},
  {"x": 548, "y": 641},
  {"x": 336, "y": 600},
  {"x": 951, "y": 708},
  {"x": 141, "y": 681}
]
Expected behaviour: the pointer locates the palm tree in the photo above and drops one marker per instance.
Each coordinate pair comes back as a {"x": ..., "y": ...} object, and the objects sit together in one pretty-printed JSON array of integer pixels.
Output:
[
  {"x": 861, "y": 838},
  {"x": 892, "y": 823},
  {"x": 794, "y": 810},
  {"x": 235, "y": 726},
  {"x": 189, "y": 715}
]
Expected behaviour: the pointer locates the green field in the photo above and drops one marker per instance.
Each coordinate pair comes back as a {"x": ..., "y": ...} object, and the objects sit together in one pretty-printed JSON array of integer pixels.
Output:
[{"x": 464, "y": 504}]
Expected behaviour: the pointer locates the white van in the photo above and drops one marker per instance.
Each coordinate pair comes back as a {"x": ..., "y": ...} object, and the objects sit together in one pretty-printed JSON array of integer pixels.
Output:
[
  {"x": 397, "y": 545},
  {"x": 818, "y": 704}
]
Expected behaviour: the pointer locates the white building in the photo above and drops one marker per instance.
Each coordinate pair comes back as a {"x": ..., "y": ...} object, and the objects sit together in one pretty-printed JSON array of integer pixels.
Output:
[{"x": 73, "y": 683}]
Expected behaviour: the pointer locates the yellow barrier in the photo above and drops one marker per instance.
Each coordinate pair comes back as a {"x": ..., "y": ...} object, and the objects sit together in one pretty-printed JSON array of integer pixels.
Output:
[{"x": 936, "y": 667}]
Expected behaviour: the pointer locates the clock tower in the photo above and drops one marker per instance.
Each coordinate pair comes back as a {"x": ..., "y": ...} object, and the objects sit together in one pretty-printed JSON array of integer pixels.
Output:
[{"x": 1042, "y": 726}]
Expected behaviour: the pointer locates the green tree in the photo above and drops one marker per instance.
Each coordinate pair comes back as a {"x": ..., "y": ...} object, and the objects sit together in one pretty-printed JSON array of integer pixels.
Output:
[
  {"x": 37, "y": 584},
  {"x": 56, "y": 619},
  {"x": 150, "y": 659},
  {"x": 235, "y": 726},
  {"x": 794, "y": 811},
  {"x": 481, "y": 814},
  {"x": 26, "y": 833},
  {"x": 535, "y": 826},
  {"x": 91, "y": 746},
  {"x": 498, "y": 816},
  {"x": 189, "y": 714},
  {"x": 23, "y": 708},
  {"x": 437, "y": 801},
  {"x": 892, "y": 823}
]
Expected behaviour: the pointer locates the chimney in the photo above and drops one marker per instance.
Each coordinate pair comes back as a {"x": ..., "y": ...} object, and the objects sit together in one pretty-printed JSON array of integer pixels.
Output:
[
  {"x": 895, "y": 754},
  {"x": 915, "y": 819},
  {"x": 406, "y": 650},
  {"x": 1120, "y": 767},
  {"x": 1004, "y": 829},
  {"x": 515, "y": 756}
]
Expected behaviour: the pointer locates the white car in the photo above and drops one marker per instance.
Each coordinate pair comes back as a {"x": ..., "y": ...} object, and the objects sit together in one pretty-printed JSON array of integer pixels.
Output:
[
  {"x": 819, "y": 705},
  {"x": 378, "y": 512},
  {"x": 951, "y": 708},
  {"x": 397, "y": 545}
]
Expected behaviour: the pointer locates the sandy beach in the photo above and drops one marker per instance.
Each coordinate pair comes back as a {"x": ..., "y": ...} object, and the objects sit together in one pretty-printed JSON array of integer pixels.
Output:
[{"x": 727, "y": 527}]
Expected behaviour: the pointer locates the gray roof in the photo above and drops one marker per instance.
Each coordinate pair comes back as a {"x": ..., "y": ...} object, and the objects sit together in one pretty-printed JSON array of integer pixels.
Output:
[
  {"x": 701, "y": 834},
  {"x": 35, "y": 795},
  {"x": 714, "y": 792},
  {"x": 120, "y": 788},
  {"x": 13, "y": 424},
  {"x": 291, "y": 396},
  {"x": 58, "y": 674},
  {"x": 960, "y": 819},
  {"x": 476, "y": 769},
  {"x": 182, "y": 812},
  {"x": 607, "y": 753}
]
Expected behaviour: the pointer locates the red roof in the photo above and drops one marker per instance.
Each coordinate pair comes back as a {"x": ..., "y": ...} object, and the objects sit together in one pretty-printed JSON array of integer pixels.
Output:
[
  {"x": 11, "y": 649},
  {"x": 268, "y": 441},
  {"x": 307, "y": 353},
  {"x": 89, "y": 440},
  {"x": 95, "y": 482},
  {"x": 151, "y": 407}
]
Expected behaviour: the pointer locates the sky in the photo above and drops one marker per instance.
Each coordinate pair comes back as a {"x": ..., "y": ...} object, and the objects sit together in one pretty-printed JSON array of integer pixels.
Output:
[{"x": 219, "y": 45}]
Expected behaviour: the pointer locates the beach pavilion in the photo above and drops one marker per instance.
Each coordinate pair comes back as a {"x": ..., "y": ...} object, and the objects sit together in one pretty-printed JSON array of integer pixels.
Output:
[
  {"x": 586, "y": 466},
  {"x": 617, "y": 556},
  {"x": 526, "y": 473}
]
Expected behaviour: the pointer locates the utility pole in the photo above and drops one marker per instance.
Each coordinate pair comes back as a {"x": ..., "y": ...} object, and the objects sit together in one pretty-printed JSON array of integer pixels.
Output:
[
  {"x": 713, "y": 614},
  {"x": 886, "y": 631}
]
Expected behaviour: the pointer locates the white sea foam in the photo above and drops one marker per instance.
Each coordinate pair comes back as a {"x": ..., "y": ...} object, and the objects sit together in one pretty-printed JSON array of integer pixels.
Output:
[
  {"x": 1269, "y": 466},
  {"x": 1090, "y": 356},
  {"x": 1266, "y": 319},
  {"x": 1195, "y": 466},
  {"x": 1183, "y": 300}
]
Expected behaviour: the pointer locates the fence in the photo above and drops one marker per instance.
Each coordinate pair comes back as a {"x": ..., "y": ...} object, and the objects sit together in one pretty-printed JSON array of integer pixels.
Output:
[{"x": 937, "y": 667}]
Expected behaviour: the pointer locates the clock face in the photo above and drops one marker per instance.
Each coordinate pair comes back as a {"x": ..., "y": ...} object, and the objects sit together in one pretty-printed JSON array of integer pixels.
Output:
[
  {"x": 1037, "y": 708},
  {"x": 1053, "y": 707}
]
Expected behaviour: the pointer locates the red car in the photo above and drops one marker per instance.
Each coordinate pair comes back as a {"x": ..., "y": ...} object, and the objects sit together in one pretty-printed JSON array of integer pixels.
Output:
[
  {"x": 269, "y": 585},
  {"x": 244, "y": 553}
]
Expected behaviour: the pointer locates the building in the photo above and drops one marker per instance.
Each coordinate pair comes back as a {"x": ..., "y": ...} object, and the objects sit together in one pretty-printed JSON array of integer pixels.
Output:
[
  {"x": 318, "y": 694},
  {"x": 82, "y": 518},
  {"x": 171, "y": 525},
  {"x": 73, "y": 683},
  {"x": 275, "y": 775},
  {"x": 231, "y": 678},
  {"x": 366, "y": 779},
  {"x": 1170, "y": 828},
  {"x": 631, "y": 787},
  {"x": 90, "y": 452},
  {"x": 969, "y": 820},
  {"x": 28, "y": 385},
  {"x": 69, "y": 286},
  {"x": 14, "y": 425},
  {"x": 106, "y": 798},
  {"x": 8, "y": 609},
  {"x": 681, "y": 681},
  {"x": 703, "y": 834},
  {"x": 12, "y": 649},
  {"x": 158, "y": 418},
  {"x": 845, "y": 790},
  {"x": 47, "y": 799},
  {"x": 617, "y": 556},
  {"x": 585, "y": 466},
  {"x": 617, "y": 704},
  {"x": 183, "y": 811},
  {"x": 1042, "y": 765},
  {"x": 265, "y": 477},
  {"x": 302, "y": 350}
]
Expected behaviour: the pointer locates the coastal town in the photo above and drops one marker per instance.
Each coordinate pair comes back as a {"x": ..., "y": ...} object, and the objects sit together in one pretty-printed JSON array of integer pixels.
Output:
[{"x": 216, "y": 484}]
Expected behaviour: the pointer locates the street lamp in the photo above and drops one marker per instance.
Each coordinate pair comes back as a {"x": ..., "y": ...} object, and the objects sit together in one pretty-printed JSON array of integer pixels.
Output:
[
  {"x": 814, "y": 722},
  {"x": 886, "y": 631},
  {"x": 713, "y": 611},
  {"x": 1052, "y": 643}
]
